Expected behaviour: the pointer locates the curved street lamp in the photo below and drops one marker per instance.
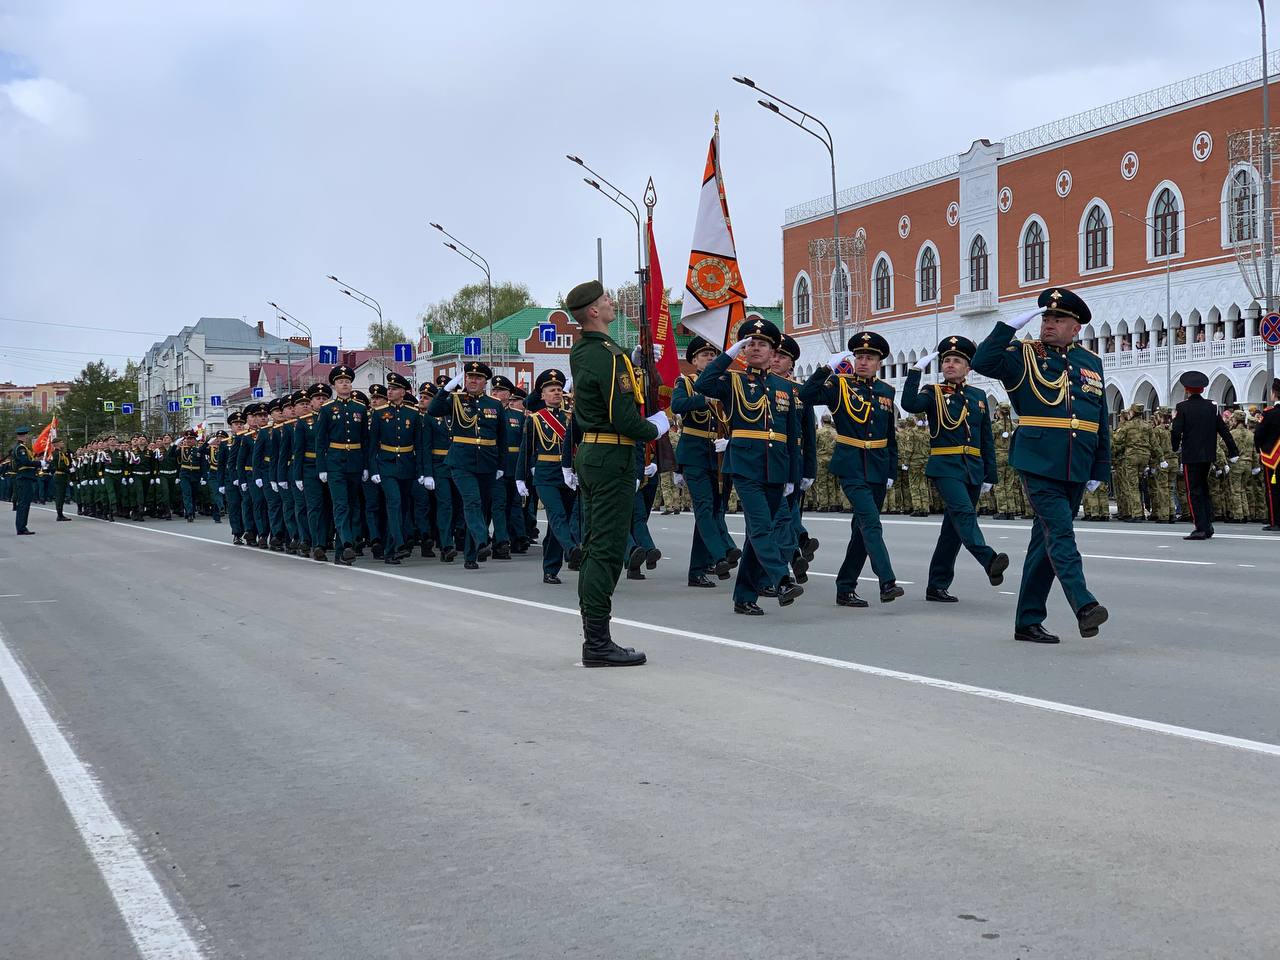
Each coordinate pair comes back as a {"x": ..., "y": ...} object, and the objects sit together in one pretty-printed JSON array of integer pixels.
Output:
[{"x": 453, "y": 243}]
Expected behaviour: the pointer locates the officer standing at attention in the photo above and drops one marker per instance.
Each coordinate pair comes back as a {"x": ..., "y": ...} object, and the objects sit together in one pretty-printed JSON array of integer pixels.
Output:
[
  {"x": 865, "y": 458},
  {"x": 393, "y": 463},
  {"x": 341, "y": 427},
  {"x": 24, "y": 474},
  {"x": 538, "y": 468},
  {"x": 1196, "y": 429},
  {"x": 606, "y": 406},
  {"x": 763, "y": 457},
  {"x": 477, "y": 452},
  {"x": 962, "y": 462},
  {"x": 1062, "y": 449},
  {"x": 59, "y": 465}
]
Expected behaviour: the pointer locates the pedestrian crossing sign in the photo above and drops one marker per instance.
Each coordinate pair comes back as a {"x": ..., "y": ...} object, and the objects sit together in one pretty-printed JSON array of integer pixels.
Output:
[
  {"x": 188, "y": 402},
  {"x": 108, "y": 406}
]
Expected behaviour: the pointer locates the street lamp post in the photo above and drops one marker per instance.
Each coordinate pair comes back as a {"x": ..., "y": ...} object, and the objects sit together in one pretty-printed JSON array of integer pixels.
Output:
[
  {"x": 1168, "y": 236},
  {"x": 468, "y": 254},
  {"x": 282, "y": 314},
  {"x": 827, "y": 141},
  {"x": 1268, "y": 204},
  {"x": 372, "y": 304}
]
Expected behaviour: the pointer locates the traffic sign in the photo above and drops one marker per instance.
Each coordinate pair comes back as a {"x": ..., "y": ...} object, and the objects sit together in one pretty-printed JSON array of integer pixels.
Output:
[
  {"x": 1270, "y": 329},
  {"x": 329, "y": 355},
  {"x": 472, "y": 346},
  {"x": 174, "y": 406},
  {"x": 257, "y": 393},
  {"x": 126, "y": 408},
  {"x": 547, "y": 332},
  {"x": 108, "y": 406},
  {"x": 404, "y": 352},
  {"x": 188, "y": 402},
  {"x": 215, "y": 401}
]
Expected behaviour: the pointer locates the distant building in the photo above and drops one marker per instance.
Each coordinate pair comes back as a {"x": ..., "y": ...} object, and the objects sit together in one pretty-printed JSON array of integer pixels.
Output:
[
  {"x": 274, "y": 379},
  {"x": 41, "y": 398}
]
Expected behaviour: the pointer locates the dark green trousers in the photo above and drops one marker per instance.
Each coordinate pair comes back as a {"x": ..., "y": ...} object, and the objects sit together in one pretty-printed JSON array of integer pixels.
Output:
[
  {"x": 1052, "y": 552},
  {"x": 959, "y": 528},
  {"x": 23, "y": 490},
  {"x": 59, "y": 492},
  {"x": 607, "y": 474}
]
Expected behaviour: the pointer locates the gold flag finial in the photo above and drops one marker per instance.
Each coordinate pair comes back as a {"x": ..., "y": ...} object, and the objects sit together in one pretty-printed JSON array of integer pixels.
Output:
[{"x": 717, "y": 121}]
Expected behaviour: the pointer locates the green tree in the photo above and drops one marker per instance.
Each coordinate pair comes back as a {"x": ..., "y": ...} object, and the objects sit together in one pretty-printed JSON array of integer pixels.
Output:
[
  {"x": 81, "y": 411},
  {"x": 384, "y": 336},
  {"x": 468, "y": 309}
]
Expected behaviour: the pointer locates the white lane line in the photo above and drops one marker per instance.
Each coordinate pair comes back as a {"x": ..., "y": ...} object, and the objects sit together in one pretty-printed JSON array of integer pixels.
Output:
[
  {"x": 1051, "y": 706},
  {"x": 1191, "y": 563},
  {"x": 9, "y": 596},
  {"x": 1079, "y": 530},
  {"x": 816, "y": 573},
  {"x": 153, "y": 923},
  {"x": 39, "y": 601},
  {"x": 1246, "y": 564}
]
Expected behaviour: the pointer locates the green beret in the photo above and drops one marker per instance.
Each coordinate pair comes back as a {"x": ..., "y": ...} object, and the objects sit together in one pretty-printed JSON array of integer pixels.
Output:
[{"x": 584, "y": 294}]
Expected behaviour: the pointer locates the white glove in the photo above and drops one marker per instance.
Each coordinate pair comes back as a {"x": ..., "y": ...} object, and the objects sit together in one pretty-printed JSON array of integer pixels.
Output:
[
  {"x": 986, "y": 488},
  {"x": 364, "y": 475},
  {"x": 298, "y": 484},
  {"x": 275, "y": 487},
  {"x": 678, "y": 479},
  {"x": 429, "y": 482},
  {"x": 324, "y": 476},
  {"x": 888, "y": 484},
  {"x": 258, "y": 481},
  {"x": 1004, "y": 435},
  {"x": 376, "y": 478},
  {"x": 721, "y": 444},
  {"x": 1255, "y": 471},
  {"x": 455, "y": 383},
  {"x": 657, "y": 354},
  {"x": 1092, "y": 485},
  {"x": 244, "y": 487},
  {"x": 522, "y": 488},
  {"x": 1164, "y": 464},
  {"x": 788, "y": 489},
  {"x": 568, "y": 385},
  {"x": 202, "y": 482},
  {"x": 923, "y": 363},
  {"x": 736, "y": 349},
  {"x": 660, "y": 421},
  {"x": 1022, "y": 319},
  {"x": 570, "y": 478},
  {"x": 498, "y": 475},
  {"x": 838, "y": 358},
  {"x": 1233, "y": 459},
  {"x": 222, "y": 490},
  {"x": 650, "y": 470},
  {"x": 905, "y": 468},
  {"x": 806, "y": 483},
  {"x": 637, "y": 486}
]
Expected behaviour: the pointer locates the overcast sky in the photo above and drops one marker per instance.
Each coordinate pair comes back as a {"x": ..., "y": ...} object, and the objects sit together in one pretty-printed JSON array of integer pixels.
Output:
[{"x": 160, "y": 162}]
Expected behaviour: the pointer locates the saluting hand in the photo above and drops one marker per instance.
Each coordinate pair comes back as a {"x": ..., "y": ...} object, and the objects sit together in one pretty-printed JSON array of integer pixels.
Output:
[
  {"x": 923, "y": 363},
  {"x": 1022, "y": 319}
]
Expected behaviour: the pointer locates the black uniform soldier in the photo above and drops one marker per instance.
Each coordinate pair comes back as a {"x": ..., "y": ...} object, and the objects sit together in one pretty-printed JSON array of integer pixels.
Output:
[
  {"x": 607, "y": 409},
  {"x": 1196, "y": 429}
]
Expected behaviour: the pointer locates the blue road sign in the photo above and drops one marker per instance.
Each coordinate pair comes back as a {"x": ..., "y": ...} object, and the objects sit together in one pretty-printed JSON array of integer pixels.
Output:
[
  {"x": 215, "y": 401},
  {"x": 257, "y": 393},
  {"x": 547, "y": 332},
  {"x": 174, "y": 406},
  {"x": 404, "y": 352},
  {"x": 472, "y": 346},
  {"x": 126, "y": 408},
  {"x": 329, "y": 355},
  {"x": 1270, "y": 330},
  {"x": 188, "y": 402}
]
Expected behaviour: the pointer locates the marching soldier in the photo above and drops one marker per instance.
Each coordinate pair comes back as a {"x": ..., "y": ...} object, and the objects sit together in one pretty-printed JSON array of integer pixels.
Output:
[
  {"x": 865, "y": 458},
  {"x": 393, "y": 464},
  {"x": 763, "y": 457},
  {"x": 1062, "y": 448},
  {"x": 24, "y": 473},
  {"x": 190, "y": 474},
  {"x": 437, "y": 478},
  {"x": 962, "y": 462},
  {"x": 341, "y": 428},
  {"x": 306, "y": 472},
  {"x": 508, "y": 510},
  {"x": 1267, "y": 442},
  {"x": 540, "y": 467},
  {"x": 229, "y": 481},
  {"x": 424, "y": 489},
  {"x": 799, "y": 547},
  {"x": 281, "y": 465}
]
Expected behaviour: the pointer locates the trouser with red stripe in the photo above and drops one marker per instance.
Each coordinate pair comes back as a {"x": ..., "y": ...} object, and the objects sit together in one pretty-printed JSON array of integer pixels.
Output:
[{"x": 1198, "y": 497}]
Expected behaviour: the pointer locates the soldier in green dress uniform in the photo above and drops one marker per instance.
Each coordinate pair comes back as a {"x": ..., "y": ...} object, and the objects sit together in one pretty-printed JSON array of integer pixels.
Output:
[
  {"x": 540, "y": 468},
  {"x": 228, "y": 483},
  {"x": 394, "y": 433},
  {"x": 341, "y": 428},
  {"x": 508, "y": 509},
  {"x": 23, "y": 467},
  {"x": 962, "y": 461},
  {"x": 606, "y": 408},
  {"x": 306, "y": 472},
  {"x": 60, "y": 467},
  {"x": 1062, "y": 448}
]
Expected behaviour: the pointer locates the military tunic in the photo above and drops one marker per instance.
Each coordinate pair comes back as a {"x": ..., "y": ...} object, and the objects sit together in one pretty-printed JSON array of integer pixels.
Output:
[{"x": 342, "y": 427}]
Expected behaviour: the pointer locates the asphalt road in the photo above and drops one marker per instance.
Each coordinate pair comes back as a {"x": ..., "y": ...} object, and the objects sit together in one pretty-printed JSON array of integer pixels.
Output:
[{"x": 407, "y": 762}]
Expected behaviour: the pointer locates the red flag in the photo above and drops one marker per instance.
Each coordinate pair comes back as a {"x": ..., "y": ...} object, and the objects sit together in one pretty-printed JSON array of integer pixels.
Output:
[
  {"x": 664, "y": 334},
  {"x": 43, "y": 442}
]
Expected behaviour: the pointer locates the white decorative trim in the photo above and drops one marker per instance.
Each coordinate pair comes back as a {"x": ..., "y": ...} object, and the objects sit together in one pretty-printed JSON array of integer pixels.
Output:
[
  {"x": 1111, "y": 237},
  {"x": 937, "y": 259},
  {"x": 1129, "y": 170},
  {"x": 1061, "y": 187},
  {"x": 953, "y": 213},
  {"x": 795, "y": 323},
  {"x": 1224, "y": 212},
  {"x": 1149, "y": 226},
  {"x": 1022, "y": 236},
  {"x": 904, "y": 226},
  {"x": 874, "y": 264},
  {"x": 1004, "y": 199},
  {"x": 1208, "y": 151},
  {"x": 860, "y": 234}
]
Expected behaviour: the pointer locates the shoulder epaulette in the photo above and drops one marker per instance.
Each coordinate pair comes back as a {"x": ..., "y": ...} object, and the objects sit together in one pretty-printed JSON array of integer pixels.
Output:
[
  {"x": 329, "y": 402},
  {"x": 1081, "y": 346},
  {"x": 613, "y": 348}
]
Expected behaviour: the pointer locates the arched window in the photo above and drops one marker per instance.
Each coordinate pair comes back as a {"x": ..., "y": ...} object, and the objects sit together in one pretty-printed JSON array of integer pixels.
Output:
[
  {"x": 1240, "y": 207},
  {"x": 1096, "y": 236},
  {"x": 928, "y": 275},
  {"x": 883, "y": 285},
  {"x": 1164, "y": 224},
  {"x": 800, "y": 312},
  {"x": 978, "y": 264},
  {"x": 1033, "y": 252}
]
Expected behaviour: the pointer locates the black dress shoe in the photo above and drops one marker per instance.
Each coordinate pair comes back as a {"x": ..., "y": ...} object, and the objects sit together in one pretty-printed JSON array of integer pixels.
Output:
[
  {"x": 1271, "y": 527},
  {"x": 1090, "y": 618},
  {"x": 635, "y": 560},
  {"x": 403, "y": 553},
  {"x": 748, "y": 609},
  {"x": 551, "y": 578},
  {"x": 788, "y": 592},
  {"x": 376, "y": 549},
  {"x": 238, "y": 542},
  {"x": 427, "y": 552},
  {"x": 448, "y": 556},
  {"x": 800, "y": 568},
  {"x": 340, "y": 558},
  {"x": 317, "y": 553},
  {"x": 651, "y": 558},
  {"x": 721, "y": 569},
  {"x": 502, "y": 551},
  {"x": 26, "y": 533},
  {"x": 701, "y": 581},
  {"x": 484, "y": 553},
  {"x": 63, "y": 518},
  {"x": 850, "y": 600},
  {"x": 995, "y": 572},
  {"x": 938, "y": 595},
  {"x": 1035, "y": 634},
  {"x": 890, "y": 592},
  {"x": 733, "y": 556},
  {"x": 635, "y": 574},
  {"x": 1198, "y": 535},
  {"x": 348, "y": 554},
  {"x": 809, "y": 548},
  {"x": 768, "y": 592},
  {"x": 574, "y": 558},
  {"x": 470, "y": 565}
]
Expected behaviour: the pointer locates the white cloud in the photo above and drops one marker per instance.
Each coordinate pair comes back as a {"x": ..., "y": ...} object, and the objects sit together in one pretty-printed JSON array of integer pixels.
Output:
[{"x": 48, "y": 103}]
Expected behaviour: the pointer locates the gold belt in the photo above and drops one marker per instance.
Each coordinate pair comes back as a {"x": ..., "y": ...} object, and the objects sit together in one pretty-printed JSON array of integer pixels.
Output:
[
  {"x": 388, "y": 449},
  {"x": 441, "y": 452},
  {"x": 476, "y": 441},
  {"x": 310, "y": 455},
  {"x": 190, "y": 466},
  {"x": 758, "y": 435},
  {"x": 513, "y": 449},
  {"x": 862, "y": 444},
  {"x": 344, "y": 446},
  {"x": 1059, "y": 423},
  {"x": 548, "y": 456},
  {"x": 614, "y": 438},
  {"x": 695, "y": 432},
  {"x": 955, "y": 451}
]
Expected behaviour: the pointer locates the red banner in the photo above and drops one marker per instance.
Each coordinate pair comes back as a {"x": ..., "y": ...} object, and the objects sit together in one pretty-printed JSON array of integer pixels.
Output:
[
  {"x": 664, "y": 334},
  {"x": 42, "y": 444}
]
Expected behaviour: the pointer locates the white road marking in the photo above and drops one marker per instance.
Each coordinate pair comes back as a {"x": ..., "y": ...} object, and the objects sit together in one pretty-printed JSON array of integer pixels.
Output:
[
  {"x": 9, "y": 596},
  {"x": 1191, "y": 563},
  {"x": 39, "y": 601},
  {"x": 1009, "y": 593},
  {"x": 1079, "y": 530},
  {"x": 153, "y": 923},
  {"x": 1246, "y": 564},
  {"x": 816, "y": 573},
  {"x": 1003, "y": 696}
]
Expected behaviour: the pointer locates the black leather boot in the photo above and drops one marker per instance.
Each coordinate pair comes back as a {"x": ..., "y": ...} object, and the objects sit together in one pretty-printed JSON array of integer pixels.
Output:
[{"x": 599, "y": 650}]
